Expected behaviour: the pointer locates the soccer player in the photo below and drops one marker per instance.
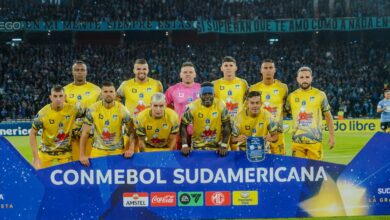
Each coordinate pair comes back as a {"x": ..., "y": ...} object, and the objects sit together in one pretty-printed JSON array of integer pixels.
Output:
[
  {"x": 83, "y": 94},
  {"x": 181, "y": 94},
  {"x": 57, "y": 120},
  {"x": 211, "y": 120},
  {"x": 307, "y": 105},
  {"x": 384, "y": 108},
  {"x": 137, "y": 91},
  {"x": 107, "y": 118},
  {"x": 229, "y": 88},
  {"x": 274, "y": 95},
  {"x": 253, "y": 121},
  {"x": 157, "y": 126}
]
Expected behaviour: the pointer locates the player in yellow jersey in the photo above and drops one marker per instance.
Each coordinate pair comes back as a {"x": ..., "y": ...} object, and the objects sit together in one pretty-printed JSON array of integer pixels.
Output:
[
  {"x": 211, "y": 122},
  {"x": 107, "y": 117},
  {"x": 83, "y": 94},
  {"x": 253, "y": 121},
  {"x": 229, "y": 88},
  {"x": 138, "y": 91},
  {"x": 157, "y": 126},
  {"x": 273, "y": 95},
  {"x": 57, "y": 120},
  {"x": 307, "y": 105}
]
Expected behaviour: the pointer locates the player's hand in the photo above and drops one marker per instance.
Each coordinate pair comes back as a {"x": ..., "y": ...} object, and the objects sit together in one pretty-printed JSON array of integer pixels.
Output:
[
  {"x": 84, "y": 160},
  {"x": 141, "y": 149},
  {"x": 222, "y": 151},
  {"x": 241, "y": 138},
  {"x": 185, "y": 151},
  {"x": 37, "y": 163},
  {"x": 128, "y": 153},
  {"x": 331, "y": 142}
]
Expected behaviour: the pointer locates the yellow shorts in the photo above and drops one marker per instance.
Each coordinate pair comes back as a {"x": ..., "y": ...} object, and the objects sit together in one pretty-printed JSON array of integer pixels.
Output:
[
  {"x": 48, "y": 160},
  {"x": 76, "y": 148},
  {"x": 102, "y": 153},
  {"x": 310, "y": 151},
  {"x": 279, "y": 146}
]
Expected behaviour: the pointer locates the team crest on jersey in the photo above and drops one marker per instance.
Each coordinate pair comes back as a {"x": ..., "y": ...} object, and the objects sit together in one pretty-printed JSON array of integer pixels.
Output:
[
  {"x": 149, "y": 90},
  {"x": 165, "y": 126},
  {"x": 267, "y": 97},
  {"x": 247, "y": 127},
  {"x": 157, "y": 130},
  {"x": 88, "y": 93},
  {"x": 100, "y": 116},
  {"x": 276, "y": 92},
  {"x": 71, "y": 95},
  {"x": 296, "y": 99},
  {"x": 79, "y": 97},
  {"x": 200, "y": 115},
  {"x": 214, "y": 114},
  {"x": 114, "y": 117},
  {"x": 149, "y": 127},
  {"x": 261, "y": 124},
  {"x": 221, "y": 87},
  {"x": 134, "y": 90},
  {"x": 51, "y": 121},
  {"x": 141, "y": 95},
  {"x": 237, "y": 86},
  {"x": 107, "y": 123},
  {"x": 311, "y": 98},
  {"x": 230, "y": 92},
  {"x": 67, "y": 117}
]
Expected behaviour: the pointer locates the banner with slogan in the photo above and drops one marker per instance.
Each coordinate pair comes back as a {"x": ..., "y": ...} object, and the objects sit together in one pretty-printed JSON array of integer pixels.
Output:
[
  {"x": 208, "y": 26},
  {"x": 167, "y": 185}
]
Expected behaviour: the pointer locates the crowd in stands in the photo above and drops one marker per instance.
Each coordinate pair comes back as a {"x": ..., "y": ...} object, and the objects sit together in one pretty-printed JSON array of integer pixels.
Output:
[
  {"x": 352, "y": 75},
  {"x": 124, "y": 10}
]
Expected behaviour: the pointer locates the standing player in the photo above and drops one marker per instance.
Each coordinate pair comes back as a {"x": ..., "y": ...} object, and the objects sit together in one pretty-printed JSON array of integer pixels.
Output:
[
  {"x": 181, "y": 94},
  {"x": 384, "y": 109},
  {"x": 231, "y": 89},
  {"x": 137, "y": 92},
  {"x": 157, "y": 126},
  {"x": 274, "y": 94},
  {"x": 307, "y": 105},
  {"x": 107, "y": 118},
  {"x": 253, "y": 121},
  {"x": 57, "y": 120},
  {"x": 211, "y": 122},
  {"x": 83, "y": 94}
]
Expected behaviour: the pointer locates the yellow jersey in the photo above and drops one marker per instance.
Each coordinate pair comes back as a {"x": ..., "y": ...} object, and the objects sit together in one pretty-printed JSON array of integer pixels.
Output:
[
  {"x": 232, "y": 92},
  {"x": 157, "y": 131},
  {"x": 273, "y": 97},
  {"x": 107, "y": 125},
  {"x": 82, "y": 95},
  {"x": 207, "y": 122},
  {"x": 307, "y": 108},
  {"x": 57, "y": 127},
  {"x": 138, "y": 95},
  {"x": 259, "y": 126}
]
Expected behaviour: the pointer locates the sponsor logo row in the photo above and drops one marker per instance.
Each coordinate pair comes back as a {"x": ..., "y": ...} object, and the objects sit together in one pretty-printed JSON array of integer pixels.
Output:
[{"x": 172, "y": 199}]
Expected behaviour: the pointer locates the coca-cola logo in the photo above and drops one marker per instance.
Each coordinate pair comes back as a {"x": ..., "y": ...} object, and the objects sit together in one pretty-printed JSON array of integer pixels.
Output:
[{"x": 163, "y": 199}]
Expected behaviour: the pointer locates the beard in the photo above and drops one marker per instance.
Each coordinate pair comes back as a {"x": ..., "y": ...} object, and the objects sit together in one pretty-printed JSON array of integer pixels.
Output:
[{"x": 305, "y": 86}]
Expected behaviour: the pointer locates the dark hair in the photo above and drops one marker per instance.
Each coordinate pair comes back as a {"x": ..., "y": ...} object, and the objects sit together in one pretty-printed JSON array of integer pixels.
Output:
[
  {"x": 188, "y": 63},
  {"x": 107, "y": 84},
  {"x": 267, "y": 61},
  {"x": 140, "y": 61},
  {"x": 79, "y": 62},
  {"x": 207, "y": 84},
  {"x": 229, "y": 59},
  {"x": 253, "y": 94},
  {"x": 57, "y": 88}
]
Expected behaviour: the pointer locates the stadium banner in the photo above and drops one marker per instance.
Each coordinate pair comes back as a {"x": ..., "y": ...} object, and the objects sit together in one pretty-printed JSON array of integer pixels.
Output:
[
  {"x": 15, "y": 128},
  {"x": 344, "y": 126},
  {"x": 208, "y": 26},
  {"x": 167, "y": 185}
]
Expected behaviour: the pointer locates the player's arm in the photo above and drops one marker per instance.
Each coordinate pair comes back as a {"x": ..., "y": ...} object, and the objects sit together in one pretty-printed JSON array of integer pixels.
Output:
[
  {"x": 236, "y": 136},
  {"x": 379, "y": 108},
  {"x": 185, "y": 121},
  {"x": 329, "y": 123},
  {"x": 120, "y": 93},
  {"x": 160, "y": 87},
  {"x": 172, "y": 141},
  {"x": 141, "y": 142},
  {"x": 226, "y": 132},
  {"x": 140, "y": 131},
  {"x": 169, "y": 98},
  {"x": 130, "y": 144},
  {"x": 84, "y": 160},
  {"x": 33, "y": 143},
  {"x": 245, "y": 91}
]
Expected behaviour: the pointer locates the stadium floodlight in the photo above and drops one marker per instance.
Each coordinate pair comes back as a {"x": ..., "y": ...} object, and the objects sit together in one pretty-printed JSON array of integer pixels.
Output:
[{"x": 273, "y": 40}]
